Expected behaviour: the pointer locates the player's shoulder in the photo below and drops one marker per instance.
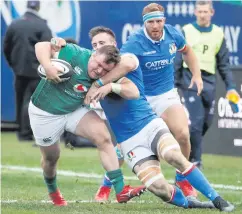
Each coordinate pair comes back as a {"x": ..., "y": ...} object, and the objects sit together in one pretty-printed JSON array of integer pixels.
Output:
[
  {"x": 136, "y": 36},
  {"x": 173, "y": 32},
  {"x": 170, "y": 29},
  {"x": 133, "y": 43}
]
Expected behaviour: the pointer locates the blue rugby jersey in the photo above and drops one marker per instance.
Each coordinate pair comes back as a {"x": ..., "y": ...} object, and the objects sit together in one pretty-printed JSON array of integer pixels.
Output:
[
  {"x": 156, "y": 58},
  {"x": 128, "y": 117}
]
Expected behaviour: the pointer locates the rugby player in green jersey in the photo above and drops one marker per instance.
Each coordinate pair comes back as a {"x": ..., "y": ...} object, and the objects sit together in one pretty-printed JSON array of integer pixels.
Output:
[{"x": 57, "y": 106}]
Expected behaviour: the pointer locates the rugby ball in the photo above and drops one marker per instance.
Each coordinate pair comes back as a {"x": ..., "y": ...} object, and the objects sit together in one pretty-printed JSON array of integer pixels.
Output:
[{"x": 64, "y": 67}]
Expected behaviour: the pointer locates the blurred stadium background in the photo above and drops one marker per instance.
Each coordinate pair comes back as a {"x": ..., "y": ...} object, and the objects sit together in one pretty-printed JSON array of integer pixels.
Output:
[{"x": 22, "y": 188}]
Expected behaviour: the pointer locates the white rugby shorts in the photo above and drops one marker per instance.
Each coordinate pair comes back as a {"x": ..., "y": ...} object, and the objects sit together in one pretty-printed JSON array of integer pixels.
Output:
[
  {"x": 162, "y": 102},
  {"x": 138, "y": 147},
  {"x": 48, "y": 128}
]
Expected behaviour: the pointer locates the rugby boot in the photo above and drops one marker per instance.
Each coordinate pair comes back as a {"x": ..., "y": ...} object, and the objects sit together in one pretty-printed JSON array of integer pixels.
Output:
[
  {"x": 129, "y": 192},
  {"x": 223, "y": 205},
  {"x": 102, "y": 194},
  {"x": 57, "y": 199}
]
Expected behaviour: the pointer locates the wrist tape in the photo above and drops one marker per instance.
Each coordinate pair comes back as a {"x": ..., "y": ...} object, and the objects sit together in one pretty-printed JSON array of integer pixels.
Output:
[{"x": 116, "y": 88}]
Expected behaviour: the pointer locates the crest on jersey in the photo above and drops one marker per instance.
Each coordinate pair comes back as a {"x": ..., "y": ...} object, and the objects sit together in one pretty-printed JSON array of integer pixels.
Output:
[
  {"x": 172, "y": 48},
  {"x": 131, "y": 155},
  {"x": 80, "y": 88}
]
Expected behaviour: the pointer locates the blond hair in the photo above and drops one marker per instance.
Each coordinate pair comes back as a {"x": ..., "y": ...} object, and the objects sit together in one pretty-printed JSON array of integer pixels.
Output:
[{"x": 153, "y": 7}]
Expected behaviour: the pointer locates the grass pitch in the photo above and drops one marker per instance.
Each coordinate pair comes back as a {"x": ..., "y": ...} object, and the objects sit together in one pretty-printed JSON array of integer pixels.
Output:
[{"x": 23, "y": 191}]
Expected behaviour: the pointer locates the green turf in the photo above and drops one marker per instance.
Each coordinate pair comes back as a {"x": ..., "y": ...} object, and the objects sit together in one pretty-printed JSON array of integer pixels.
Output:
[{"x": 28, "y": 187}]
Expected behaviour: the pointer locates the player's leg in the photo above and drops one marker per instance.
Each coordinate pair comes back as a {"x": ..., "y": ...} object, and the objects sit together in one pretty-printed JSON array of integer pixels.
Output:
[
  {"x": 93, "y": 128},
  {"x": 179, "y": 128},
  {"x": 195, "y": 107},
  {"x": 106, "y": 186},
  {"x": 168, "y": 106},
  {"x": 209, "y": 108},
  {"x": 140, "y": 154},
  {"x": 180, "y": 131},
  {"x": 169, "y": 149},
  {"x": 149, "y": 173},
  {"x": 47, "y": 130}
]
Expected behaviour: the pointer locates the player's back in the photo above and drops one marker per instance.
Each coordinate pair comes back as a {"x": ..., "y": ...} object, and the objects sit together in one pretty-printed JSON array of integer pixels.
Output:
[
  {"x": 128, "y": 117},
  {"x": 156, "y": 58}
]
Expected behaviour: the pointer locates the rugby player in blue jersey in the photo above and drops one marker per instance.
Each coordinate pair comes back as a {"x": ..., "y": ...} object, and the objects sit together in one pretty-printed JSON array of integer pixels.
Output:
[
  {"x": 156, "y": 45},
  {"x": 145, "y": 139}
]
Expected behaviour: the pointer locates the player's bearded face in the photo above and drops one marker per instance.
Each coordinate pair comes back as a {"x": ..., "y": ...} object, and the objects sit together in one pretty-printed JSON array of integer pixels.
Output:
[
  {"x": 102, "y": 39},
  {"x": 97, "y": 66},
  {"x": 154, "y": 28},
  {"x": 204, "y": 15}
]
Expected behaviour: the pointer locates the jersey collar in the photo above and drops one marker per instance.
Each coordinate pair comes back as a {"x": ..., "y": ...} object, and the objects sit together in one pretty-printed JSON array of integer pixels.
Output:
[
  {"x": 153, "y": 41},
  {"x": 203, "y": 29}
]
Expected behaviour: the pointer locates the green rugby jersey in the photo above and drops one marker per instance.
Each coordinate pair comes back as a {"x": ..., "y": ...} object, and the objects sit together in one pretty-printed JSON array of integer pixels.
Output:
[{"x": 65, "y": 97}]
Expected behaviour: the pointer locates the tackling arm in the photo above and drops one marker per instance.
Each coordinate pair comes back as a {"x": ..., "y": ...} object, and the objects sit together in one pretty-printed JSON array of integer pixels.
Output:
[
  {"x": 128, "y": 90},
  {"x": 129, "y": 62},
  {"x": 124, "y": 88}
]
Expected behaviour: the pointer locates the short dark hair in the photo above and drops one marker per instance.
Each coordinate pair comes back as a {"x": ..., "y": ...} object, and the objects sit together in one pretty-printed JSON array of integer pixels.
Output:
[
  {"x": 199, "y": 2},
  {"x": 34, "y": 5},
  {"x": 111, "y": 52},
  {"x": 101, "y": 29}
]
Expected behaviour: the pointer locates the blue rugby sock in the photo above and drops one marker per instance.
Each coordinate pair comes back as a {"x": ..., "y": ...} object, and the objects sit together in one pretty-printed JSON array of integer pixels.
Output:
[
  {"x": 178, "y": 198},
  {"x": 106, "y": 181},
  {"x": 179, "y": 176},
  {"x": 199, "y": 182}
]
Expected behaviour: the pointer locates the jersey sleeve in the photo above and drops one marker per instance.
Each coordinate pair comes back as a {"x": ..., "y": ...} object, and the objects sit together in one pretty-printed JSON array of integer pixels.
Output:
[
  {"x": 180, "y": 40},
  {"x": 127, "y": 47}
]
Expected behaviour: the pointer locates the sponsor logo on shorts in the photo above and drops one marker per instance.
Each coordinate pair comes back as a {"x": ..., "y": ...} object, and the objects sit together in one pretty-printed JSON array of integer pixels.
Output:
[
  {"x": 131, "y": 155},
  {"x": 47, "y": 139}
]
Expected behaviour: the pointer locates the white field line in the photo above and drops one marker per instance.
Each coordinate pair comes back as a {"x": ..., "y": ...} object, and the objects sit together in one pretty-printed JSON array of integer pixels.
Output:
[
  {"x": 84, "y": 202},
  {"x": 72, "y": 201},
  {"x": 97, "y": 176}
]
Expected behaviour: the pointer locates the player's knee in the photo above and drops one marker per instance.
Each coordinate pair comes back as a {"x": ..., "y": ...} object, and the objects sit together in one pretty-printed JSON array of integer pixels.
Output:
[
  {"x": 183, "y": 136},
  {"x": 102, "y": 139},
  {"x": 152, "y": 177},
  {"x": 167, "y": 143},
  {"x": 161, "y": 189},
  {"x": 50, "y": 160},
  {"x": 174, "y": 157}
]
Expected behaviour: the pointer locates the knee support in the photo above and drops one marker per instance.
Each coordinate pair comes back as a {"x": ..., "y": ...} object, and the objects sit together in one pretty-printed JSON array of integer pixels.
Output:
[
  {"x": 149, "y": 175},
  {"x": 166, "y": 143}
]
